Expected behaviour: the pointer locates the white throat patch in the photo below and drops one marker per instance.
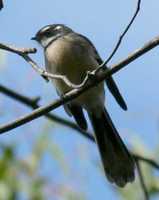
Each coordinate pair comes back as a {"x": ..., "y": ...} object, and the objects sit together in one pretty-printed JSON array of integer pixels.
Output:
[{"x": 45, "y": 41}]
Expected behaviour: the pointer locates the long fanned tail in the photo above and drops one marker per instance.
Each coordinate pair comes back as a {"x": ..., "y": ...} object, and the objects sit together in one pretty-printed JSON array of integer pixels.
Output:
[{"x": 117, "y": 161}]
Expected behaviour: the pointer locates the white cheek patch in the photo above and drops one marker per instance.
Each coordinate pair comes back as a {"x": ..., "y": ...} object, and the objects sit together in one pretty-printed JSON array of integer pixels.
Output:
[{"x": 45, "y": 41}]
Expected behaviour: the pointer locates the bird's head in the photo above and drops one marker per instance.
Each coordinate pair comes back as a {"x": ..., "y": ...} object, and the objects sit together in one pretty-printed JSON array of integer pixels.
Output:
[{"x": 50, "y": 33}]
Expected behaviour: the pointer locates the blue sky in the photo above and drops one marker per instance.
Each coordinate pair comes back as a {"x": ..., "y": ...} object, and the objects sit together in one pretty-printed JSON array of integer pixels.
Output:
[{"x": 102, "y": 22}]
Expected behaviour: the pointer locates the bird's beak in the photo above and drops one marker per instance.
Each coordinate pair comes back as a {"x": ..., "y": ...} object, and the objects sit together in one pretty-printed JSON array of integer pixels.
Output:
[{"x": 33, "y": 38}]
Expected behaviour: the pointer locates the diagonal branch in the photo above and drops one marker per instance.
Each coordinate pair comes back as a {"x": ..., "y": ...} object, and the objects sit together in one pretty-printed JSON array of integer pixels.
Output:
[
  {"x": 124, "y": 33},
  {"x": 33, "y": 103},
  {"x": 95, "y": 79},
  {"x": 23, "y": 52},
  {"x": 149, "y": 161},
  {"x": 16, "y": 50},
  {"x": 142, "y": 182}
]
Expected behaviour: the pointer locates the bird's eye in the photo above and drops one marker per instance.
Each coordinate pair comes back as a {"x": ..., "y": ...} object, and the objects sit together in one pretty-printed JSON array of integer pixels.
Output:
[{"x": 48, "y": 33}]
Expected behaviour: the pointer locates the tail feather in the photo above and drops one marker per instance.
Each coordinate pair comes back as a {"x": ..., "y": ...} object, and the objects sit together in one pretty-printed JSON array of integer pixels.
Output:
[
  {"x": 117, "y": 161},
  {"x": 115, "y": 92}
]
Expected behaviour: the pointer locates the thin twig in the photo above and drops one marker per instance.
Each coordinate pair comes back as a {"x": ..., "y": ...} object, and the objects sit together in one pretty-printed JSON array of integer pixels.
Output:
[
  {"x": 76, "y": 92},
  {"x": 123, "y": 34},
  {"x": 149, "y": 161},
  {"x": 16, "y": 50},
  {"x": 19, "y": 97},
  {"x": 142, "y": 182},
  {"x": 33, "y": 103},
  {"x": 88, "y": 76},
  {"x": 23, "y": 52}
]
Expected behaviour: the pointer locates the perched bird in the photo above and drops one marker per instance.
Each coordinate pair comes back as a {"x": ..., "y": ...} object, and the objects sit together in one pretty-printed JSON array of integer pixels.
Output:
[{"x": 71, "y": 54}]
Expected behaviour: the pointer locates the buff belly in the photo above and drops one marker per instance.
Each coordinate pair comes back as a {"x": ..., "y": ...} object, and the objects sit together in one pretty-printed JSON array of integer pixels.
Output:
[{"x": 64, "y": 58}]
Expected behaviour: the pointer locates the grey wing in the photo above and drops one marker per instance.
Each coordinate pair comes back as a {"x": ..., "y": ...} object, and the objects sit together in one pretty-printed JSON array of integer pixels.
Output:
[{"x": 109, "y": 81}]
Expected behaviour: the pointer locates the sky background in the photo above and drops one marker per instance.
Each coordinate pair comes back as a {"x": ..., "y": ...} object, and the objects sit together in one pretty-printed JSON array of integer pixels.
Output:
[{"x": 102, "y": 22}]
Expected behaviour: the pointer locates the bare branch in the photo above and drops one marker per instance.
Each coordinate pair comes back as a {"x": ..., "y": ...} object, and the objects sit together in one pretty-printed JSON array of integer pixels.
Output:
[
  {"x": 16, "y": 50},
  {"x": 147, "y": 161},
  {"x": 142, "y": 182},
  {"x": 19, "y": 97},
  {"x": 88, "y": 76},
  {"x": 123, "y": 34},
  {"x": 33, "y": 103},
  {"x": 95, "y": 79},
  {"x": 23, "y": 52}
]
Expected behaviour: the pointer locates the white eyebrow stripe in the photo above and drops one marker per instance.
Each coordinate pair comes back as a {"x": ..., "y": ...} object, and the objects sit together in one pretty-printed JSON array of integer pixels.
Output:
[
  {"x": 58, "y": 27},
  {"x": 45, "y": 28}
]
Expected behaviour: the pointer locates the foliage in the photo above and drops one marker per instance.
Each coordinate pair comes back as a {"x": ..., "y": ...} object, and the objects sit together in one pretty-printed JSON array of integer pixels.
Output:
[{"x": 20, "y": 178}]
